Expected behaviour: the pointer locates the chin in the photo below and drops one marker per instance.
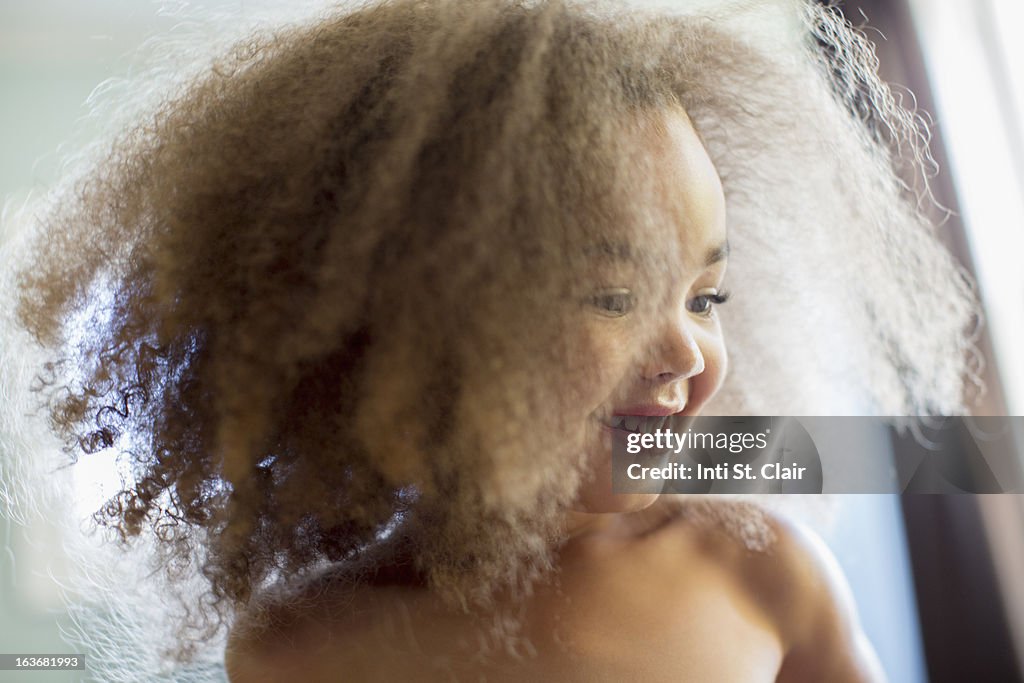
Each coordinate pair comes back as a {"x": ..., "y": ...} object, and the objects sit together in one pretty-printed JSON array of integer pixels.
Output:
[
  {"x": 604, "y": 501},
  {"x": 597, "y": 495}
]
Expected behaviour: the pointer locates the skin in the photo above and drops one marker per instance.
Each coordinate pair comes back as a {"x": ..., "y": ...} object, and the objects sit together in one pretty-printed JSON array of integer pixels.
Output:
[
  {"x": 678, "y": 359},
  {"x": 641, "y": 593}
]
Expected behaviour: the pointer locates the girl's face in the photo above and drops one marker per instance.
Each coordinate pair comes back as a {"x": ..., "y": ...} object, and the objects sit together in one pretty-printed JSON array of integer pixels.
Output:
[{"x": 652, "y": 344}]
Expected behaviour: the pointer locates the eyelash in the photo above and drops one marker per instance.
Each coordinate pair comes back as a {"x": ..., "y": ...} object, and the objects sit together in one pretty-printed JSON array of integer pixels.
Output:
[
  {"x": 716, "y": 299},
  {"x": 597, "y": 300}
]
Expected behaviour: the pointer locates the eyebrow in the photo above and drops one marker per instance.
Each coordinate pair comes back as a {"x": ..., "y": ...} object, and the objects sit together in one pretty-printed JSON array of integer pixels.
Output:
[
  {"x": 624, "y": 251},
  {"x": 620, "y": 251}
]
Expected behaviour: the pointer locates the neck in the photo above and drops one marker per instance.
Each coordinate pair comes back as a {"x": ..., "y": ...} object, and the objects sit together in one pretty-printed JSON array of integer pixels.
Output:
[
  {"x": 625, "y": 524},
  {"x": 577, "y": 525}
]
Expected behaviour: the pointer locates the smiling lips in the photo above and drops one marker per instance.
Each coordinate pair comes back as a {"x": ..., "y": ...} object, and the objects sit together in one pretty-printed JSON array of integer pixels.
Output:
[{"x": 645, "y": 419}]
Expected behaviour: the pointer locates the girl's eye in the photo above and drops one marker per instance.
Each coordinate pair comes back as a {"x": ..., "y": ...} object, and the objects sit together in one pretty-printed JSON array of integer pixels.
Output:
[
  {"x": 613, "y": 303},
  {"x": 703, "y": 304}
]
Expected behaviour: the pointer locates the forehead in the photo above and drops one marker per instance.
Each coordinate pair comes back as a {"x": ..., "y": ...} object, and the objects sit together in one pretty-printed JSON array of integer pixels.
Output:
[
  {"x": 671, "y": 201},
  {"x": 686, "y": 180}
]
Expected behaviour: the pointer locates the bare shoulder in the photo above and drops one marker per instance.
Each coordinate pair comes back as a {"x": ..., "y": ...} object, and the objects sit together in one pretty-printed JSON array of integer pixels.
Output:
[
  {"x": 283, "y": 634},
  {"x": 827, "y": 642},
  {"x": 789, "y": 571}
]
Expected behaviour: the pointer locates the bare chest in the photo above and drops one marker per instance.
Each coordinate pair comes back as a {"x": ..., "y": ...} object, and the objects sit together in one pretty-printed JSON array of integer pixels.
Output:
[{"x": 629, "y": 622}]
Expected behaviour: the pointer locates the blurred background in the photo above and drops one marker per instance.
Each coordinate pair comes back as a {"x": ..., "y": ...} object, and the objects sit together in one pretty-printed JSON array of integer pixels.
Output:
[{"x": 939, "y": 580}]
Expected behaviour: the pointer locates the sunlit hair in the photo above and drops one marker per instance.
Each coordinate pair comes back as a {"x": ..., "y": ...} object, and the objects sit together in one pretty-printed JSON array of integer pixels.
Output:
[{"x": 272, "y": 290}]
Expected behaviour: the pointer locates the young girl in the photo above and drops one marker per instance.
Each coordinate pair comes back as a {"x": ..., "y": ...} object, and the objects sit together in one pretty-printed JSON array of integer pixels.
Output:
[{"x": 369, "y": 304}]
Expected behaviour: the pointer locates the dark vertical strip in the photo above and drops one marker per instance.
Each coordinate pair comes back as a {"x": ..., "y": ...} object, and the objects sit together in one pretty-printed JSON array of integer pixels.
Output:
[{"x": 965, "y": 630}]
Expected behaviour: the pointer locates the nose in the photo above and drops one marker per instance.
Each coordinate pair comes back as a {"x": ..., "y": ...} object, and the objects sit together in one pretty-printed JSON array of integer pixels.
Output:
[{"x": 674, "y": 353}]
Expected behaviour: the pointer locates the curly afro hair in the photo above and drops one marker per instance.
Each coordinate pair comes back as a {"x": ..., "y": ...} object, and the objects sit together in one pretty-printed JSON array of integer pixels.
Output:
[{"x": 271, "y": 294}]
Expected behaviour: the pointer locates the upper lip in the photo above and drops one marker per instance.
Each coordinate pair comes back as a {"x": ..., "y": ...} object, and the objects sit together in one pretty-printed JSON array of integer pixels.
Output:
[{"x": 647, "y": 417}]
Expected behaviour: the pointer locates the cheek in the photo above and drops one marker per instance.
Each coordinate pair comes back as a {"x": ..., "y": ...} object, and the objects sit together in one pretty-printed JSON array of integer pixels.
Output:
[{"x": 598, "y": 360}]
